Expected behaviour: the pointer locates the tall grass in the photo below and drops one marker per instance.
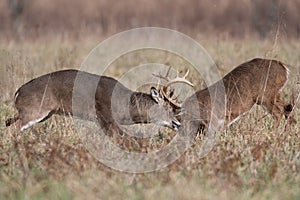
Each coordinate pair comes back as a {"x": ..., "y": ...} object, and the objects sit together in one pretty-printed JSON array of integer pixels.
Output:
[{"x": 251, "y": 160}]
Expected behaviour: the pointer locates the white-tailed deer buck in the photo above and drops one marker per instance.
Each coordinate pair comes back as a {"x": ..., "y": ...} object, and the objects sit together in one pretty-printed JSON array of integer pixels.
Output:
[
  {"x": 104, "y": 97},
  {"x": 258, "y": 81}
]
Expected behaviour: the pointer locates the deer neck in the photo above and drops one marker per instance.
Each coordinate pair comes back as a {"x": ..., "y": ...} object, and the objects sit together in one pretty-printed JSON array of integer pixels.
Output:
[{"x": 139, "y": 107}]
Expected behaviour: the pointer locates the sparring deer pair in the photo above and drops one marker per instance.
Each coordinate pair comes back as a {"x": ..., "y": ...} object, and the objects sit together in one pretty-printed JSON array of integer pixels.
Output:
[{"x": 258, "y": 81}]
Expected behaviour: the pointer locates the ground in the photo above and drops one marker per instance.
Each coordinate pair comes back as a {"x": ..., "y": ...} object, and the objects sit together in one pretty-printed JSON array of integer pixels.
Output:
[{"x": 251, "y": 160}]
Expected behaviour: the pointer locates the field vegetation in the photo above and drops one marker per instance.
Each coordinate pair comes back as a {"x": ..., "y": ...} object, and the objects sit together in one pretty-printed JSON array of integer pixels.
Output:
[{"x": 251, "y": 159}]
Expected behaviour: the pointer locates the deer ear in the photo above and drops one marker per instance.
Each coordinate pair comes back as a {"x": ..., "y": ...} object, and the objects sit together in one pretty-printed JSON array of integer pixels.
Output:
[{"x": 155, "y": 95}]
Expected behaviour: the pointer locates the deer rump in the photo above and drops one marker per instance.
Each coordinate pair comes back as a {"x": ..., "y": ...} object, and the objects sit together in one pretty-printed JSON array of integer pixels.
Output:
[
  {"x": 258, "y": 81},
  {"x": 95, "y": 98}
]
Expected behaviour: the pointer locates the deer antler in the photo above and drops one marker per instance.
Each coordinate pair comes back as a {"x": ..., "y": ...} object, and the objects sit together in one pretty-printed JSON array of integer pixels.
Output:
[{"x": 178, "y": 79}]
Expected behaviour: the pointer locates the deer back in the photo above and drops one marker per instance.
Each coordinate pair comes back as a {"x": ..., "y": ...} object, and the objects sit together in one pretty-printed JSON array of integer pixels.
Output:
[{"x": 255, "y": 81}]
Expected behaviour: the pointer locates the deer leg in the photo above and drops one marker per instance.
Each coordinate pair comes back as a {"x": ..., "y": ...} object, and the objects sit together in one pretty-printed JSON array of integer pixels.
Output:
[
  {"x": 26, "y": 123},
  {"x": 276, "y": 108},
  {"x": 288, "y": 108},
  {"x": 10, "y": 121},
  {"x": 23, "y": 123},
  {"x": 110, "y": 126},
  {"x": 119, "y": 137},
  {"x": 28, "y": 117},
  {"x": 15, "y": 122}
]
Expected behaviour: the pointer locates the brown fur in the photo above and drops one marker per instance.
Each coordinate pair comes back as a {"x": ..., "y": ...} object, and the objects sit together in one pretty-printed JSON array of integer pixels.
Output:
[
  {"x": 258, "y": 81},
  {"x": 97, "y": 98}
]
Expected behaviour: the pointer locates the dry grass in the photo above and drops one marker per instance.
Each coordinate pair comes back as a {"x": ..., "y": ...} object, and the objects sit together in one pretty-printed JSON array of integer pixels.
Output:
[{"x": 48, "y": 161}]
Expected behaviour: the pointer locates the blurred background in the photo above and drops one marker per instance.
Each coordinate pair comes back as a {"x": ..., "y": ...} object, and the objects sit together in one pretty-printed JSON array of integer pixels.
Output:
[{"x": 76, "y": 18}]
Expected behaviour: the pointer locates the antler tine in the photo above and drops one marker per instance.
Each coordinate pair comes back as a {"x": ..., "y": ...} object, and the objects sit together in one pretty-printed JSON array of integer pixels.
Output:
[
  {"x": 172, "y": 101},
  {"x": 186, "y": 74},
  {"x": 170, "y": 82},
  {"x": 179, "y": 80},
  {"x": 166, "y": 78},
  {"x": 161, "y": 77}
]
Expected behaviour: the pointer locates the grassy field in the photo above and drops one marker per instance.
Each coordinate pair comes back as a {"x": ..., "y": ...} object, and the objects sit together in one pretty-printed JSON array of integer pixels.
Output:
[{"x": 251, "y": 160}]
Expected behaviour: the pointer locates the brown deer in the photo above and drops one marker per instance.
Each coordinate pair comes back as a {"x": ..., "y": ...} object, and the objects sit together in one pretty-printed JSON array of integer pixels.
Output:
[
  {"x": 258, "y": 81},
  {"x": 91, "y": 97}
]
